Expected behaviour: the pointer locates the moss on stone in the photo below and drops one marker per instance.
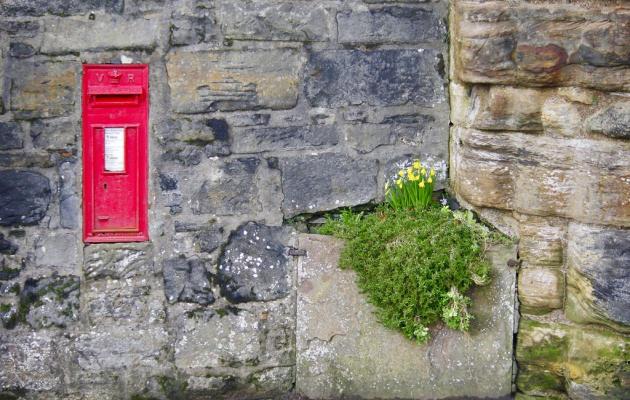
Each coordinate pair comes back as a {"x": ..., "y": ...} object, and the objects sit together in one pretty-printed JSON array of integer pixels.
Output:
[{"x": 539, "y": 382}]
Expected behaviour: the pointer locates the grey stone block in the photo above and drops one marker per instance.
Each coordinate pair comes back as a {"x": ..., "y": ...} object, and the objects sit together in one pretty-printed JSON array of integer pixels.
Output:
[
  {"x": 118, "y": 261},
  {"x": 392, "y": 24},
  {"x": 54, "y": 134},
  {"x": 342, "y": 349},
  {"x": 10, "y": 136},
  {"x": 50, "y": 301},
  {"x": 58, "y": 7},
  {"x": 254, "y": 265},
  {"x": 186, "y": 280},
  {"x": 24, "y": 195},
  {"x": 326, "y": 181},
  {"x": 254, "y": 140},
  {"x": 336, "y": 78},
  {"x": 613, "y": 121}
]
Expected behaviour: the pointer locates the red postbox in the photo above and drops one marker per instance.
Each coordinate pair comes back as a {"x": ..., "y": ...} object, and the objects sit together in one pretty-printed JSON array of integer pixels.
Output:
[{"x": 115, "y": 164}]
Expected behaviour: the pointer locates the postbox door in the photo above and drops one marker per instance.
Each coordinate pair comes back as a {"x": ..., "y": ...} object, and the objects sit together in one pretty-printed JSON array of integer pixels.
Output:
[{"x": 115, "y": 111}]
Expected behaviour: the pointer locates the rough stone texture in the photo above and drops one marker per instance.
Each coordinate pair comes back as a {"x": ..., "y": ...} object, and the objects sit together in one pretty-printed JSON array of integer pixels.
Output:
[
  {"x": 69, "y": 202},
  {"x": 325, "y": 182},
  {"x": 539, "y": 106},
  {"x": 58, "y": 7},
  {"x": 50, "y": 301},
  {"x": 187, "y": 281},
  {"x": 378, "y": 78},
  {"x": 268, "y": 20},
  {"x": 42, "y": 88},
  {"x": 342, "y": 350},
  {"x": 206, "y": 81},
  {"x": 542, "y": 44},
  {"x": 10, "y": 136},
  {"x": 254, "y": 265},
  {"x": 55, "y": 134},
  {"x": 257, "y": 139},
  {"x": 71, "y": 35},
  {"x": 390, "y": 24},
  {"x": 598, "y": 279},
  {"x": 24, "y": 197}
]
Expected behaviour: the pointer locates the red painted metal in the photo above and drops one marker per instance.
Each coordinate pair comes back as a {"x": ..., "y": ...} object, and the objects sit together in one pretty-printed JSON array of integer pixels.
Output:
[{"x": 116, "y": 102}]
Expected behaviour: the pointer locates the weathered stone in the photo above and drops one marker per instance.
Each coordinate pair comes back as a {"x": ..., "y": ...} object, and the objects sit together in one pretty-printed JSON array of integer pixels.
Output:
[
  {"x": 26, "y": 159},
  {"x": 378, "y": 78},
  {"x": 325, "y": 182},
  {"x": 50, "y": 301},
  {"x": 41, "y": 89},
  {"x": 10, "y": 136},
  {"x": 24, "y": 196},
  {"x": 538, "y": 44},
  {"x": 540, "y": 289},
  {"x": 57, "y": 249},
  {"x": 188, "y": 29},
  {"x": 581, "y": 179},
  {"x": 30, "y": 361},
  {"x": 267, "y": 20},
  {"x": 541, "y": 241},
  {"x": 254, "y": 265},
  {"x": 21, "y": 50},
  {"x": 232, "y": 190},
  {"x": 69, "y": 202},
  {"x": 540, "y": 383},
  {"x": 54, "y": 134},
  {"x": 253, "y": 140},
  {"x": 69, "y": 35},
  {"x": 167, "y": 182},
  {"x": 342, "y": 349},
  {"x": 240, "y": 120},
  {"x": 613, "y": 121},
  {"x": 118, "y": 261},
  {"x": 598, "y": 278},
  {"x": 391, "y": 24},
  {"x": 587, "y": 359},
  {"x": 186, "y": 280},
  {"x": 366, "y": 137},
  {"x": 507, "y": 108},
  {"x": 206, "y": 81},
  {"x": 20, "y": 28},
  {"x": 58, "y": 7},
  {"x": 6, "y": 246},
  {"x": 561, "y": 117}
]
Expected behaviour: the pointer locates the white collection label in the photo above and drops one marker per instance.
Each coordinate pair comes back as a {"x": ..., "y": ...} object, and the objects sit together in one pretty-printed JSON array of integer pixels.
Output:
[{"x": 115, "y": 149}]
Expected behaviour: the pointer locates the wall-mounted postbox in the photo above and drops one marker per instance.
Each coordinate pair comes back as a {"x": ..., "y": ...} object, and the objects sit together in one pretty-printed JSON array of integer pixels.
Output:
[{"x": 115, "y": 114}]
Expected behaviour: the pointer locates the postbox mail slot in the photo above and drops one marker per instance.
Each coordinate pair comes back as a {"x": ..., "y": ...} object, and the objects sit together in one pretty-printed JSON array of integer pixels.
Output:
[{"x": 115, "y": 115}]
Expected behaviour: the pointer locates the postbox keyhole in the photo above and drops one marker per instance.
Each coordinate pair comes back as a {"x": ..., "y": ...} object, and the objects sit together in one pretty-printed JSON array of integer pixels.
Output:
[{"x": 104, "y": 185}]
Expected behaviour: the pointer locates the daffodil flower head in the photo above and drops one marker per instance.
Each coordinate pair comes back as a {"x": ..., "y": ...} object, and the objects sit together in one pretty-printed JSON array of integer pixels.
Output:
[
  {"x": 399, "y": 183},
  {"x": 424, "y": 171},
  {"x": 416, "y": 164},
  {"x": 430, "y": 180},
  {"x": 401, "y": 173},
  {"x": 421, "y": 184},
  {"x": 432, "y": 172}
]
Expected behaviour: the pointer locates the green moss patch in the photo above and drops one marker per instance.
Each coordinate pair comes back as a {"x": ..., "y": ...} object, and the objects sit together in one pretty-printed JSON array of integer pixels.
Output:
[{"x": 414, "y": 266}]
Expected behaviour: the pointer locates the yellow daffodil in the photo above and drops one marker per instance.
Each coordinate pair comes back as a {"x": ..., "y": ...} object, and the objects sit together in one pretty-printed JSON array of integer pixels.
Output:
[
  {"x": 432, "y": 172},
  {"x": 421, "y": 184},
  {"x": 424, "y": 171},
  {"x": 401, "y": 173},
  {"x": 399, "y": 183},
  {"x": 430, "y": 180},
  {"x": 416, "y": 164}
]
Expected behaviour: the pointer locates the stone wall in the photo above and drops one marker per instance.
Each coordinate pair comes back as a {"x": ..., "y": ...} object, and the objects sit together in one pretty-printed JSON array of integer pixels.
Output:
[
  {"x": 260, "y": 111},
  {"x": 540, "y": 147}
]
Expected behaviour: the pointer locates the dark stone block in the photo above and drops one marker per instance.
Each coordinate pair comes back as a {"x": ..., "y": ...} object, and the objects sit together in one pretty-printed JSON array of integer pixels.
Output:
[
  {"x": 613, "y": 121},
  {"x": 21, "y": 50},
  {"x": 167, "y": 182},
  {"x": 58, "y": 7},
  {"x": 393, "y": 24},
  {"x": 55, "y": 134},
  {"x": 24, "y": 197},
  {"x": 253, "y": 140},
  {"x": 52, "y": 301},
  {"x": 186, "y": 280},
  {"x": 209, "y": 239},
  {"x": 234, "y": 193},
  {"x": 254, "y": 265},
  {"x": 326, "y": 181},
  {"x": 10, "y": 136},
  {"x": 6, "y": 246},
  {"x": 378, "y": 78},
  {"x": 188, "y": 30}
]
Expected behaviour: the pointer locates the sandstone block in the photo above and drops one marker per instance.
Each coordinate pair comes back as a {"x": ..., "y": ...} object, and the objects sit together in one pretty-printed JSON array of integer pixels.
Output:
[
  {"x": 232, "y": 190},
  {"x": 24, "y": 195},
  {"x": 10, "y": 136},
  {"x": 223, "y": 80},
  {"x": 258, "y": 139},
  {"x": 58, "y": 7},
  {"x": 118, "y": 261},
  {"x": 598, "y": 278},
  {"x": 540, "y": 289},
  {"x": 325, "y": 182},
  {"x": 254, "y": 265},
  {"x": 541, "y": 240},
  {"x": 379, "y": 78},
  {"x": 42, "y": 89},
  {"x": 507, "y": 108},
  {"x": 267, "y": 20},
  {"x": 561, "y": 117},
  {"x": 390, "y": 24},
  {"x": 581, "y": 179},
  {"x": 540, "y": 44},
  {"x": 72, "y": 35}
]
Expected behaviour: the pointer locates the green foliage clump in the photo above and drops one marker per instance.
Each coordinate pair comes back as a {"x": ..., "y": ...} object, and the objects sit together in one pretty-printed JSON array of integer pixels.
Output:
[{"x": 414, "y": 266}]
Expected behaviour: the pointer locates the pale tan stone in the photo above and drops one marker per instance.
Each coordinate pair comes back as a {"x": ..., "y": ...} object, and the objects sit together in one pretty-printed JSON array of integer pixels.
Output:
[
  {"x": 541, "y": 240},
  {"x": 233, "y": 80},
  {"x": 508, "y": 108},
  {"x": 561, "y": 117},
  {"x": 540, "y": 289}
]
